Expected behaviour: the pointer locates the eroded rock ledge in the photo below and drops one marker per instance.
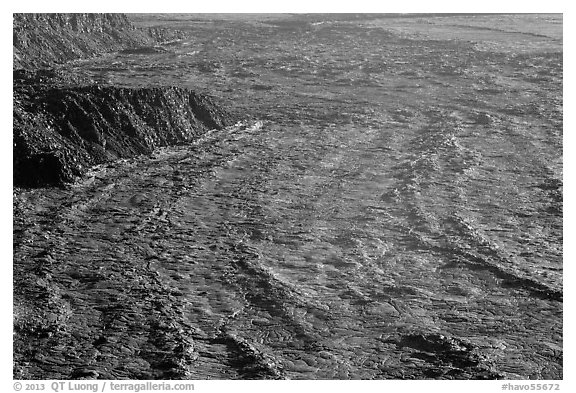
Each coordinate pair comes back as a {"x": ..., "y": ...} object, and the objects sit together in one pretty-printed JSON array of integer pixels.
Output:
[
  {"x": 63, "y": 124},
  {"x": 61, "y": 130},
  {"x": 42, "y": 40}
]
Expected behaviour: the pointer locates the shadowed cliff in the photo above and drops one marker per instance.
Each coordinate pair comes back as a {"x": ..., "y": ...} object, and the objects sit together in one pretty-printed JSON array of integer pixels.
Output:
[
  {"x": 63, "y": 124},
  {"x": 60, "y": 131}
]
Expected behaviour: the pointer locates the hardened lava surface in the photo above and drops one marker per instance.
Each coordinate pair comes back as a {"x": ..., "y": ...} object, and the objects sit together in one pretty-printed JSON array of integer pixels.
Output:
[{"x": 390, "y": 208}]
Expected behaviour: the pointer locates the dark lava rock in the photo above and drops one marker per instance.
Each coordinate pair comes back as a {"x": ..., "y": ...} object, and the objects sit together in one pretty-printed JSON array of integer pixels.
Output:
[
  {"x": 144, "y": 50},
  {"x": 447, "y": 357},
  {"x": 84, "y": 373},
  {"x": 42, "y": 40},
  {"x": 60, "y": 131},
  {"x": 64, "y": 123},
  {"x": 483, "y": 119}
]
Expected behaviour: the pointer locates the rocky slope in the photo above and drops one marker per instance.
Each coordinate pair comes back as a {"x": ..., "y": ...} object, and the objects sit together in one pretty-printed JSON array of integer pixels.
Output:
[
  {"x": 63, "y": 124},
  {"x": 40, "y": 40},
  {"x": 61, "y": 130}
]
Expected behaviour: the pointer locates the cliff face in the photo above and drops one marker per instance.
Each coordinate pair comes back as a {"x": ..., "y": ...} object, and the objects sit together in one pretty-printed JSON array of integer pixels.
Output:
[
  {"x": 41, "y": 40},
  {"x": 59, "y": 131},
  {"x": 62, "y": 124}
]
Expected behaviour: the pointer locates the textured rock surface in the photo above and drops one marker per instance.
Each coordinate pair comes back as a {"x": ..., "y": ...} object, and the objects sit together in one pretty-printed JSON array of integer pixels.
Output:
[
  {"x": 40, "y": 40},
  {"x": 83, "y": 310},
  {"x": 63, "y": 123},
  {"x": 59, "y": 131},
  {"x": 396, "y": 214}
]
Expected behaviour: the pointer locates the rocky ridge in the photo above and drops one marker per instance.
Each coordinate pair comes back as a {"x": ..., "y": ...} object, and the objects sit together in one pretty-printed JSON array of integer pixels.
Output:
[
  {"x": 84, "y": 125},
  {"x": 42, "y": 40},
  {"x": 63, "y": 124}
]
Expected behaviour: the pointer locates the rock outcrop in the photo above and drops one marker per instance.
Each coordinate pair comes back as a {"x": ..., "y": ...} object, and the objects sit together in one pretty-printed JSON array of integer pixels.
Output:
[
  {"x": 61, "y": 130},
  {"x": 42, "y": 40},
  {"x": 63, "y": 124}
]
